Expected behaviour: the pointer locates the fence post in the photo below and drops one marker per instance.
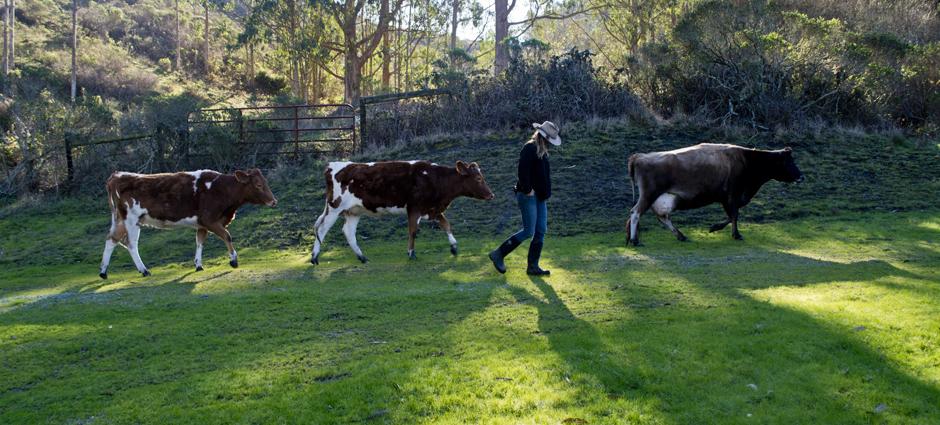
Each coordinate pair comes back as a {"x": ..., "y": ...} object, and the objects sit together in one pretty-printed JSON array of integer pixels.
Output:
[
  {"x": 70, "y": 169},
  {"x": 296, "y": 132},
  {"x": 362, "y": 124},
  {"x": 241, "y": 127}
]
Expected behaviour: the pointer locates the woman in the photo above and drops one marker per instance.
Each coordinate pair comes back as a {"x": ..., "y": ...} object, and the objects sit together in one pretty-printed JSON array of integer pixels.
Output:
[{"x": 533, "y": 188}]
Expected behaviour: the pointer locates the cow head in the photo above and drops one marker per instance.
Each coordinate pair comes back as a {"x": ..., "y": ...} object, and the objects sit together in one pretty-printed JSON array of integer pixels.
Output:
[
  {"x": 255, "y": 187},
  {"x": 472, "y": 183},
  {"x": 786, "y": 169}
]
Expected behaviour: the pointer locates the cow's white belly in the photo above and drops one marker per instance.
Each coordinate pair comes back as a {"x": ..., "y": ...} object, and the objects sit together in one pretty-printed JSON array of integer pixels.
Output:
[
  {"x": 190, "y": 222},
  {"x": 391, "y": 210}
]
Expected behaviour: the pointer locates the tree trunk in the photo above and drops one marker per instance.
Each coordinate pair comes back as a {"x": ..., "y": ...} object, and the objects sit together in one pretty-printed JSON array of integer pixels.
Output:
[
  {"x": 386, "y": 56},
  {"x": 251, "y": 63},
  {"x": 208, "y": 67},
  {"x": 315, "y": 95},
  {"x": 352, "y": 71},
  {"x": 74, "y": 48},
  {"x": 6, "y": 41},
  {"x": 296, "y": 85},
  {"x": 501, "y": 61},
  {"x": 179, "y": 48},
  {"x": 12, "y": 34},
  {"x": 454, "y": 20}
]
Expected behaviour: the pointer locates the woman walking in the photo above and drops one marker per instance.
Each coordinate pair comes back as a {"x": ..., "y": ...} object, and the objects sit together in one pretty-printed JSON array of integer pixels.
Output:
[{"x": 533, "y": 188}]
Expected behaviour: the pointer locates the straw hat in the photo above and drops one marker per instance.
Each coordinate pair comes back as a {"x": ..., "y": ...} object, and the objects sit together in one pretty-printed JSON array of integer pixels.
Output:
[{"x": 549, "y": 131}]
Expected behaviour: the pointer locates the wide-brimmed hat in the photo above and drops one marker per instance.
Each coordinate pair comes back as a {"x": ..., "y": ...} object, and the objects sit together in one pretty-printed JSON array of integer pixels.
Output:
[{"x": 549, "y": 131}]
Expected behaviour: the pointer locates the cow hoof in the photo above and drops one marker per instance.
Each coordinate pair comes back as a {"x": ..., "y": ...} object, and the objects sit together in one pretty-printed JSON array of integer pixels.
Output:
[
  {"x": 412, "y": 256},
  {"x": 103, "y": 275},
  {"x": 362, "y": 258},
  {"x": 315, "y": 260},
  {"x": 453, "y": 250},
  {"x": 145, "y": 273},
  {"x": 233, "y": 263},
  {"x": 738, "y": 237},
  {"x": 635, "y": 242},
  {"x": 682, "y": 238},
  {"x": 198, "y": 268}
]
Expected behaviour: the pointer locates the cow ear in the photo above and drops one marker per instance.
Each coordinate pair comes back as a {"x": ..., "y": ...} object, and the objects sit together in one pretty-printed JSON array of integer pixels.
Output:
[
  {"x": 461, "y": 167},
  {"x": 242, "y": 176},
  {"x": 474, "y": 165},
  {"x": 255, "y": 171}
]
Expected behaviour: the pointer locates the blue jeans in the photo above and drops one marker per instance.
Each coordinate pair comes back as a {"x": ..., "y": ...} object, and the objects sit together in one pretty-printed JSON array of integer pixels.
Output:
[{"x": 534, "y": 218}]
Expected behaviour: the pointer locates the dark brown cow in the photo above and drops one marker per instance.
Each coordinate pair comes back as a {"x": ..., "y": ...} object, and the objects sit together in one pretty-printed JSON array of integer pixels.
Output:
[
  {"x": 203, "y": 200},
  {"x": 417, "y": 188},
  {"x": 703, "y": 174}
]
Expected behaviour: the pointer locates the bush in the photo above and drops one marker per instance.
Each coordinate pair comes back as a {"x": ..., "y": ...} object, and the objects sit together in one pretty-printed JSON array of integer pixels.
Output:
[
  {"x": 563, "y": 88},
  {"x": 764, "y": 64},
  {"x": 269, "y": 84}
]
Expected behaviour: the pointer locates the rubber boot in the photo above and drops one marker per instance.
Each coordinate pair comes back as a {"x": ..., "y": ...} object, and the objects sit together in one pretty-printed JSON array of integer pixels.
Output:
[
  {"x": 535, "y": 251},
  {"x": 497, "y": 255}
]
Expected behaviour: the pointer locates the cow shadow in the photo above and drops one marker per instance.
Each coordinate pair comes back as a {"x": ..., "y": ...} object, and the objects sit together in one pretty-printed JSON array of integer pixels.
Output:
[
  {"x": 712, "y": 333},
  {"x": 323, "y": 338}
]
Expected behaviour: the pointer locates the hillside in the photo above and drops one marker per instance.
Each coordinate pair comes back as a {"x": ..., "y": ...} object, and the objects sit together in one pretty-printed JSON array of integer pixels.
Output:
[{"x": 846, "y": 172}]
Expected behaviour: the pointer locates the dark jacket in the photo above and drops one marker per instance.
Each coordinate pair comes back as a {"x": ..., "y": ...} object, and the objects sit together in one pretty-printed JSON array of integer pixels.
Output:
[{"x": 534, "y": 173}]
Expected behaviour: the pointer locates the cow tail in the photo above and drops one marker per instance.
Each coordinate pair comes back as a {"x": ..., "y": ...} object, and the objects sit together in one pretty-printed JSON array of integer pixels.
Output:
[{"x": 328, "y": 180}]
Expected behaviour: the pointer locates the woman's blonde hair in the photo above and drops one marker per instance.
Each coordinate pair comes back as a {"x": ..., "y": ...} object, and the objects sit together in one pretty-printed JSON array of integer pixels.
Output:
[{"x": 541, "y": 143}]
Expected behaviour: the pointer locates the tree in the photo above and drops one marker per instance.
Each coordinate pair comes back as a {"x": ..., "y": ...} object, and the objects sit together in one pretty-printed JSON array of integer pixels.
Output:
[
  {"x": 74, "y": 49},
  {"x": 179, "y": 47},
  {"x": 502, "y": 35},
  {"x": 205, "y": 56},
  {"x": 357, "y": 51}
]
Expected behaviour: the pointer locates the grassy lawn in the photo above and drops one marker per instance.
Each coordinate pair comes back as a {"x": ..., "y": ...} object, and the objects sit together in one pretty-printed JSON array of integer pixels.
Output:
[{"x": 821, "y": 320}]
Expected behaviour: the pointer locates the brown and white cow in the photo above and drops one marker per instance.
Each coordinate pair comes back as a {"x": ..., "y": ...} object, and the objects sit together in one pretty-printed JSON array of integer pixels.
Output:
[
  {"x": 202, "y": 200},
  {"x": 419, "y": 189},
  {"x": 703, "y": 174}
]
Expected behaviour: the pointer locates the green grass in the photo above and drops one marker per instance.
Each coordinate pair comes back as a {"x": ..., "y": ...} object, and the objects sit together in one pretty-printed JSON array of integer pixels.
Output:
[{"x": 815, "y": 320}]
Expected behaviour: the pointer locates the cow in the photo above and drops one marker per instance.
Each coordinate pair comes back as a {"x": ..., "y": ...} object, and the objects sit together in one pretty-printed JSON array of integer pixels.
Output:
[
  {"x": 203, "y": 200},
  {"x": 700, "y": 175},
  {"x": 420, "y": 189}
]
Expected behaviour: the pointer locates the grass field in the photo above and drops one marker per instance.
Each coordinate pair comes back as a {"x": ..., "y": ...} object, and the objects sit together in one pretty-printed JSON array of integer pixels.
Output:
[
  {"x": 833, "y": 320},
  {"x": 828, "y": 312}
]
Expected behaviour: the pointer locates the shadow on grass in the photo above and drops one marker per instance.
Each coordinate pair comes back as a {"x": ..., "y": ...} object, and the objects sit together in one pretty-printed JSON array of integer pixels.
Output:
[
  {"x": 699, "y": 346},
  {"x": 337, "y": 344}
]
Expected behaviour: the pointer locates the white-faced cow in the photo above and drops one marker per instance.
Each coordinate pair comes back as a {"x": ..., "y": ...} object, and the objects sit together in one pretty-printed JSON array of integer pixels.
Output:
[
  {"x": 202, "y": 200},
  {"x": 419, "y": 189},
  {"x": 700, "y": 175}
]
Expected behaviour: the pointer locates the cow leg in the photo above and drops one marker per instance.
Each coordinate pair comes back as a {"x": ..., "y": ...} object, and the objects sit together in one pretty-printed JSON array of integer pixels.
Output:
[
  {"x": 732, "y": 211},
  {"x": 201, "y": 234},
  {"x": 117, "y": 233},
  {"x": 665, "y": 204},
  {"x": 445, "y": 225},
  {"x": 413, "y": 218},
  {"x": 634, "y": 223},
  {"x": 719, "y": 226},
  {"x": 349, "y": 229},
  {"x": 320, "y": 229},
  {"x": 133, "y": 236},
  {"x": 219, "y": 230}
]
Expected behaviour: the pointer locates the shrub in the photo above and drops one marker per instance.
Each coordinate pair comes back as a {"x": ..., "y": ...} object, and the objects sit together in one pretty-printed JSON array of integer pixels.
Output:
[
  {"x": 563, "y": 88},
  {"x": 269, "y": 84},
  {"x": 764, "y": 64}
]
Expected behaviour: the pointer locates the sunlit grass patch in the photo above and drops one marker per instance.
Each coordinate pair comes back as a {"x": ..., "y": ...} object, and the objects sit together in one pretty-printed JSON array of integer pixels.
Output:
[{"x": 816, "y": 321}]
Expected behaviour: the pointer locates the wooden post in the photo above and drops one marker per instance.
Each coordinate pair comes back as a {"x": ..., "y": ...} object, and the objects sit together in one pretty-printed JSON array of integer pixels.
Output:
[
  {"x": 362, "y": 124},
  {"x": 296, "y": 131},
  {"x": 70, "y": 169},
  {"x": 241, "y": 127}
]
